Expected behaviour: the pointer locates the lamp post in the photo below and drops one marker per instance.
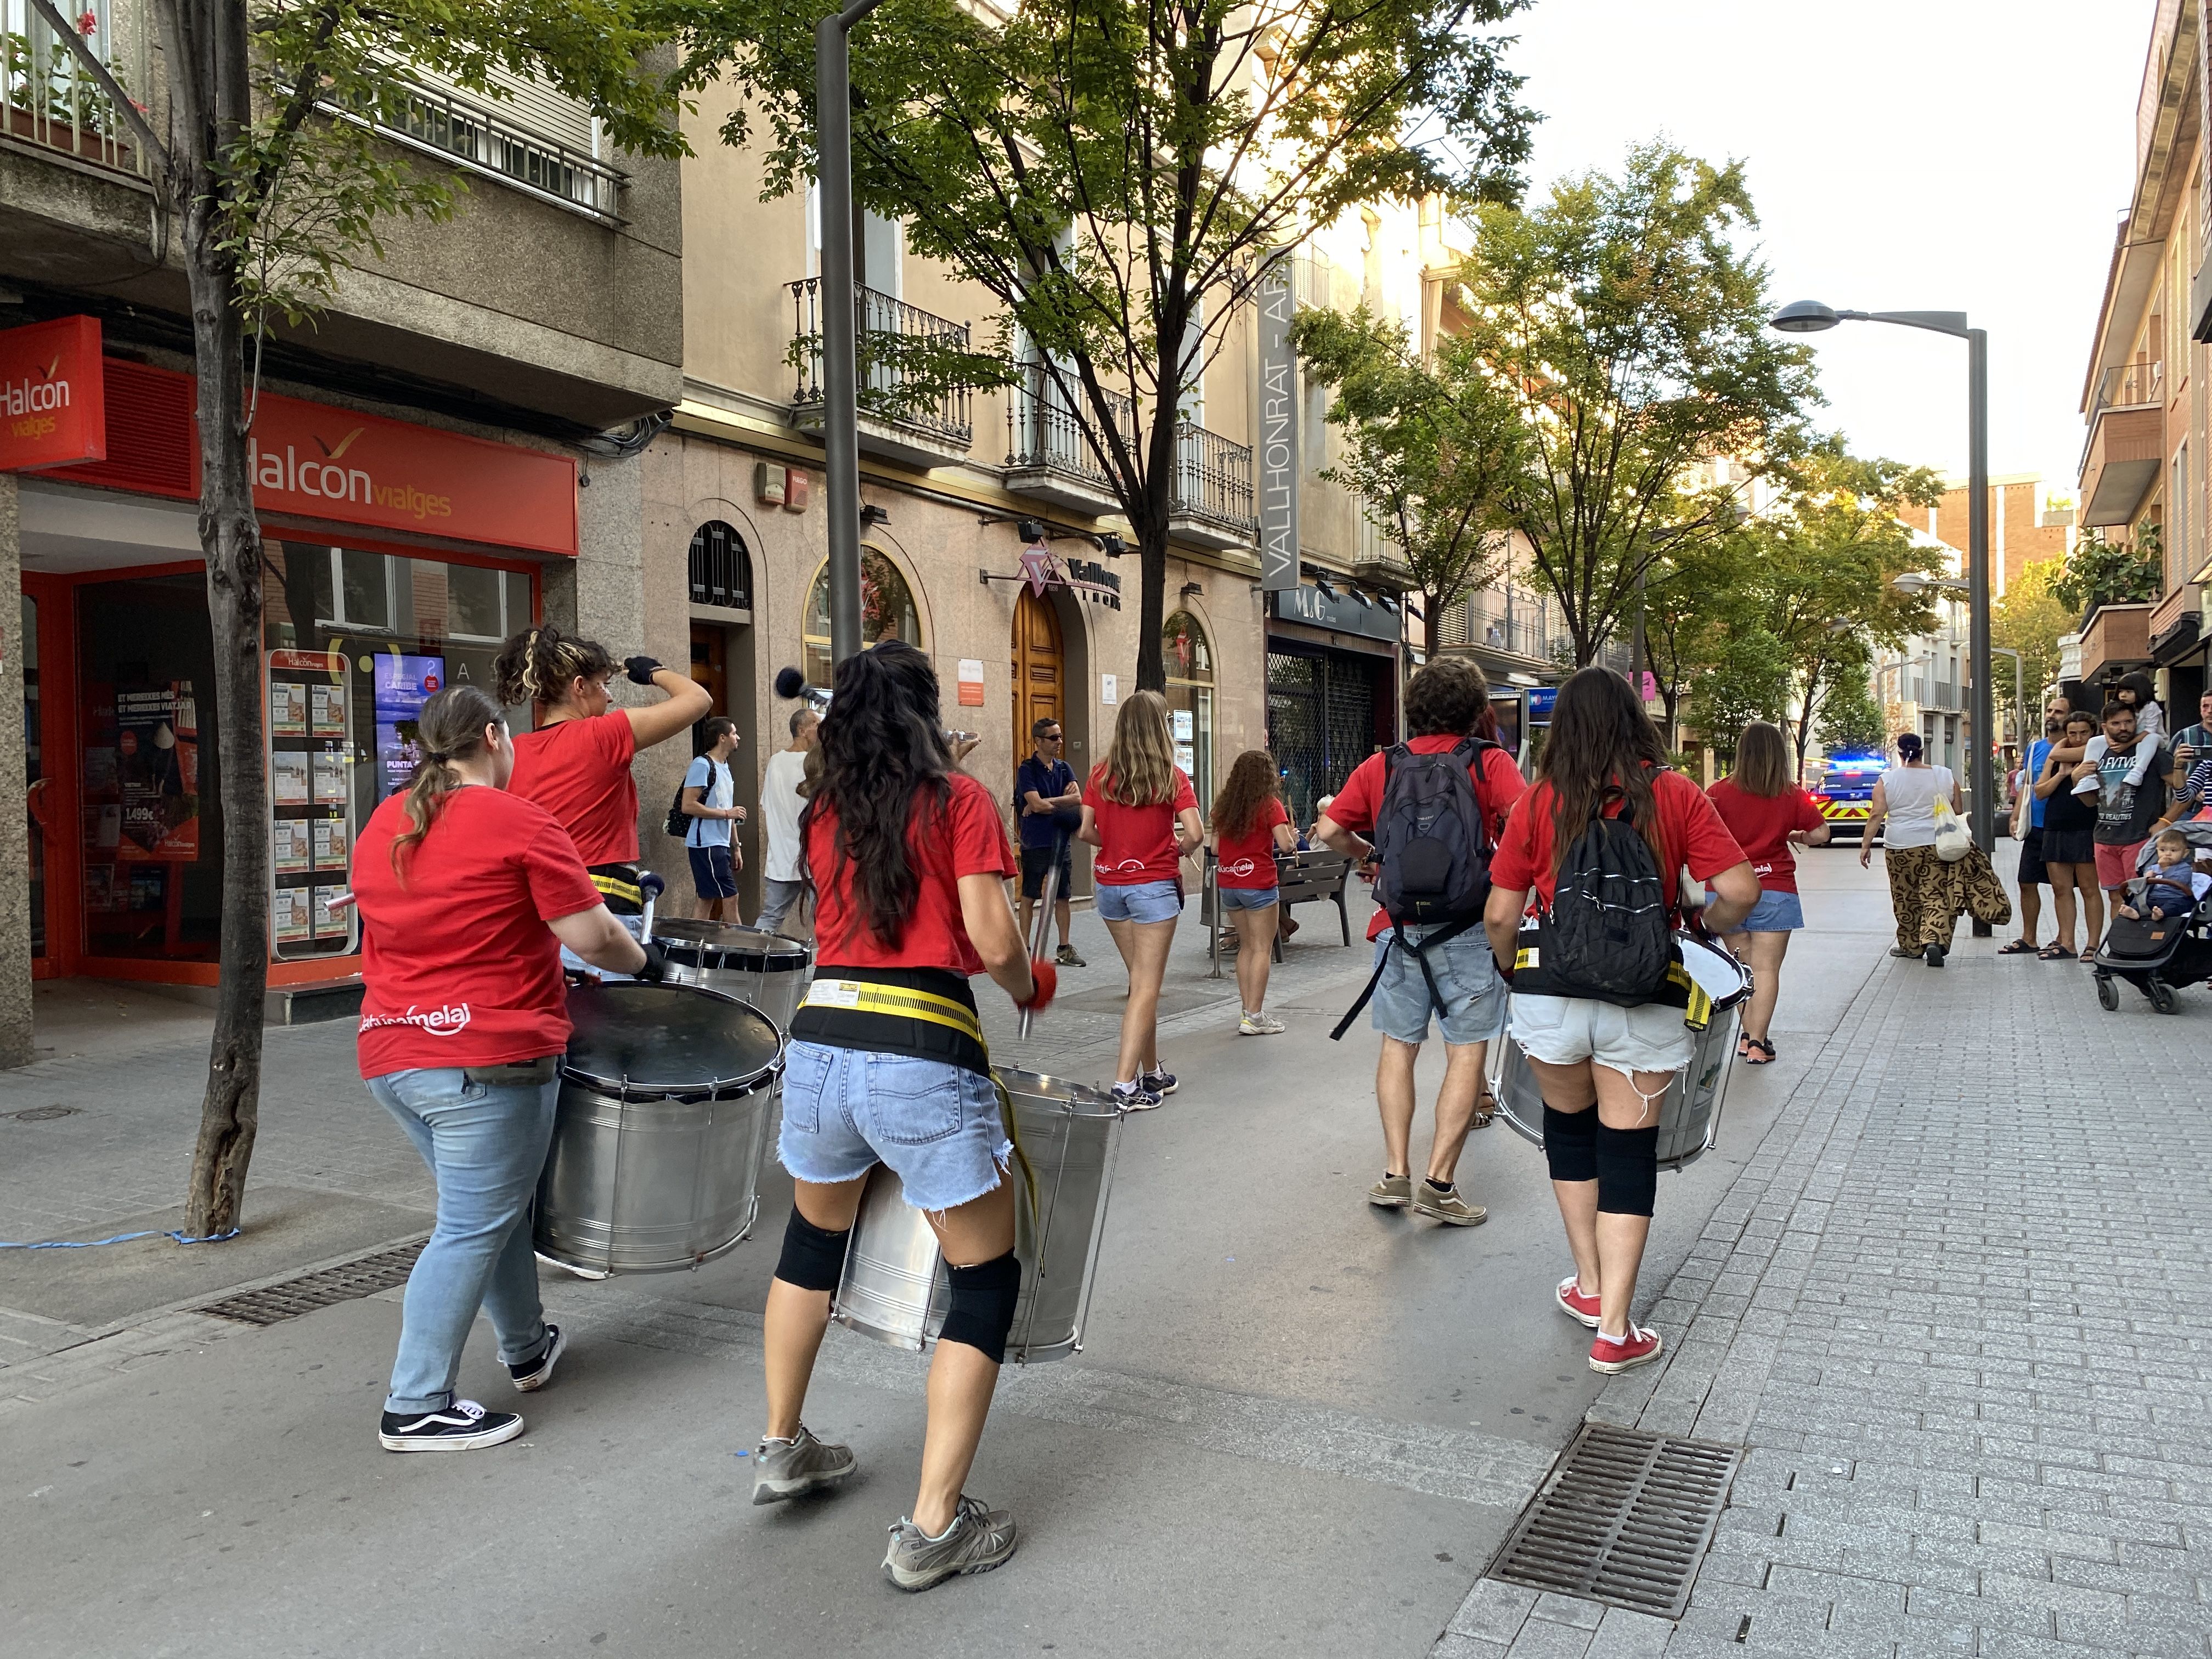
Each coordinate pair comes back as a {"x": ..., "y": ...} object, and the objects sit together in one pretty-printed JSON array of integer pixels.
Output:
[
  {"x": 841, "y": 419},
  {"x": 1811, "y": 316}
]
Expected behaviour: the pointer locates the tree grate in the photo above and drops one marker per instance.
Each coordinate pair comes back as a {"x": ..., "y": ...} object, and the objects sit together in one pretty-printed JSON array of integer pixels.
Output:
[
  {"x": 347, "y": 1282},
  {"x": 1625, "y": 1520}
]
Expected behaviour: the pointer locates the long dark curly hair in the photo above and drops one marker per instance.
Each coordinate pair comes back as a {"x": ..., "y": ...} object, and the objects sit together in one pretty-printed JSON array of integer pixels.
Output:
[
  {"x": 1252, "y": 784},
  {"x": 881, "y": 744},
  {"x": 1601, "y": 741}
]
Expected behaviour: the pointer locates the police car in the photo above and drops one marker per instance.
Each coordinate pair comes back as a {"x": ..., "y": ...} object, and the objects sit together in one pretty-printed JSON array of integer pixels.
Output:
[{"x": 1845, "y": 794}]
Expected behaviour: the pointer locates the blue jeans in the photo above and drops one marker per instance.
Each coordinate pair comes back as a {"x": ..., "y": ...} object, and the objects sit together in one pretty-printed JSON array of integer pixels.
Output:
[{"x": 485, "y": 1145}]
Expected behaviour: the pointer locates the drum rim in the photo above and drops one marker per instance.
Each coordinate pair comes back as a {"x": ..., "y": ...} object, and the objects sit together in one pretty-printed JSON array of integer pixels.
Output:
[
  {"x": 1075, "y": 1096},
  {"x": 711, "y": 957},
  {"x": 723, "y": 1088}
]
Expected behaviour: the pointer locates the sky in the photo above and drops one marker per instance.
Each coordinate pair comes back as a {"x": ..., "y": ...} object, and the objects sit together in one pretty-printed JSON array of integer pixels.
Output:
[{"x": 1903, "y": 154}]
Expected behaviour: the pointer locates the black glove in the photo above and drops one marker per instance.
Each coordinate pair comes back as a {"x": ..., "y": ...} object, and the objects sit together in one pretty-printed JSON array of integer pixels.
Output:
[
  {"x": 656, "y": 964},
  {"x": 641, "y": 669}
]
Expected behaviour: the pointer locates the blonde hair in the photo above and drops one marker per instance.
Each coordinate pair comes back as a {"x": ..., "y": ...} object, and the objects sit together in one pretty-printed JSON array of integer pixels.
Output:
[
  {"x": 451, "y": 727},
  {"x": 1762, "y": 760},
  {"x": 1140, "y": 765},
  {"x": 538, "y": 665}
]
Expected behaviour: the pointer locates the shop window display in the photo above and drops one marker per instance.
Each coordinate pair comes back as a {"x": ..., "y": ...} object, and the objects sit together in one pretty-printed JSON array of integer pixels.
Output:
[
  {"x": 887, "y": 612},
  {"x": 1189, "y": 663}
]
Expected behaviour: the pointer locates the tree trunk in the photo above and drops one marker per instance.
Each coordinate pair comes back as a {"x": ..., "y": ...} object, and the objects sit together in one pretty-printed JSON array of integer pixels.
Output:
[
  {"x": 211, "y": 91},
  {"x": 1432, "y": 624}
]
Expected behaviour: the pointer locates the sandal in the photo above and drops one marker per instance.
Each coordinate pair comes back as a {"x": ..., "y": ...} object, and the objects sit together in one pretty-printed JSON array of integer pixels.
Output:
[
  {"x": 2055, "y": 952},
  {"x": 1762, "y": 1044},
  {"x": 1485, "y": 1110},
  {"x": 2019, "y": 947},
  {"x": 2089, "y": 955}
]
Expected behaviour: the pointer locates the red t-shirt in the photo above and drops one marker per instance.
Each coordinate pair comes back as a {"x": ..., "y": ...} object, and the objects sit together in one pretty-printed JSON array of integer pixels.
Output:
[
  {"x": 457, "y": 966},
  {"x": 1498, "y": 785},
  {"x": 1690, "y": 832},
  {"x": 578, "y": 771},
  {"x": 1249, "y": 861},
  {"x": 1136, "y": 843},
  {"x": 1761, "y": 825},
  {"x": 964, "y": 838}
]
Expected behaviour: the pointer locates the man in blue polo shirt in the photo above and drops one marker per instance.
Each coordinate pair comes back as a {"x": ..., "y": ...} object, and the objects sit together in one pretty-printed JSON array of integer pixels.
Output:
[
  {"x": 1048, "y": 805},
  {"x": 2027, "y": 826}
]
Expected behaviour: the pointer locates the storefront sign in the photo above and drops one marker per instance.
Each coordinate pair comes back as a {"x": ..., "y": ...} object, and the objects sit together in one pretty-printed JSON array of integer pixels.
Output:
[
  {"x": 1541, "y": 701},
  {"x": 53, "y": 408},
  {"x": 1041, "y": 568},
  {"x": 1280, "y": 465},
  {"x": 1371, "y": 619},
  {"x": 157, "y": 773},
  {"x": 971, "y": 682},
  {"x": 1110, "y": 689}
]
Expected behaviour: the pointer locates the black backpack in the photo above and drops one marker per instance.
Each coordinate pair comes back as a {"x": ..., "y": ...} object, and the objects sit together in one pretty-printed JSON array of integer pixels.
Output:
[
  {"x": 1434, "y": 850},
  {"x": 1608, "y": 933},
  {"x": 679, "y": 823}
]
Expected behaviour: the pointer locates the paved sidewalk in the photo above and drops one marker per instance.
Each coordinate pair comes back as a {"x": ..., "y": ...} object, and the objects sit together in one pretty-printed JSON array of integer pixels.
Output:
[{"x": 1954, "y": 1307}]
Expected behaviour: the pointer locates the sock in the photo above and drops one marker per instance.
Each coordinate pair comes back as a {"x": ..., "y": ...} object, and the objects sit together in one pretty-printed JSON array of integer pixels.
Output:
[{"x": 1434, "y": 1185}]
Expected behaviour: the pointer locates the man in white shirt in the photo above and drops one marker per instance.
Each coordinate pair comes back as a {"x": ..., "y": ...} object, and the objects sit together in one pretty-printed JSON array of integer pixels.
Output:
[
  {"x": 709, "y": 801},
  {"x": 781, "y": 804}
]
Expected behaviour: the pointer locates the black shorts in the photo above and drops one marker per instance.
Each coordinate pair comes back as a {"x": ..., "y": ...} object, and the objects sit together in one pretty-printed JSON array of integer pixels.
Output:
[
  {"x": 2033, "y": 872},
  {"x": 2065, "y": 847},
  {"x": 1035, "y": 860}
]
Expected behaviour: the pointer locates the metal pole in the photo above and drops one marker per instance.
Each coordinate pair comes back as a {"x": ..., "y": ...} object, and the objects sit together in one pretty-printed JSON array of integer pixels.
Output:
[
  {"x": 840, "y": 438},
  {"x": 1983, "y": 821}
]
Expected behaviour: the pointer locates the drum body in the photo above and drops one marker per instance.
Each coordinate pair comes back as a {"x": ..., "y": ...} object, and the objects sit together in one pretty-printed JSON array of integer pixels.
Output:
[
  {"x": 895, "y": 1287},
  {"x": 665, "y": 1096},
  {"x": 1689, "y": 1112},
  {"x": 766, "y": 969}
]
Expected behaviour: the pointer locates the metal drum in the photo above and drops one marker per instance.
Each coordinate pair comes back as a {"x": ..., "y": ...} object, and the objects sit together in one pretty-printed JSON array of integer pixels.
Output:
[
  {"x": 895, "y": 1288},
  {"x": 1689, "y": 1112},
  {"x": 665, "y": 1095},
  {"x": 766, "y": 969}
]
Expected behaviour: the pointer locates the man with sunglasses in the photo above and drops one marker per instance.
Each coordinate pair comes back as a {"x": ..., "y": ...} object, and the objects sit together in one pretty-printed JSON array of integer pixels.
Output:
[{"x": 1048, "y": 805}]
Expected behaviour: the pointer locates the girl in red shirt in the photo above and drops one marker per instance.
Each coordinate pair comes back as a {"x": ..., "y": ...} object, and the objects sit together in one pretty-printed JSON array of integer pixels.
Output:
[
  {"x": 1250, "y": 826},
  {"x": 1769, "y": 815},
  {"x": 466, "y": 895},
  {"x": 1604, "y": 756},
  {"x": 908, "y": 860},
  {"x": 1140, "y": 812},
  {"x": 575, "y": 762}
]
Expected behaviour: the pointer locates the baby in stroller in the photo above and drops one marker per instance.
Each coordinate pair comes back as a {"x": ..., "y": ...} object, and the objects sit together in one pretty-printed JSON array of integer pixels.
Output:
[{"x": 2160, "y": 934}]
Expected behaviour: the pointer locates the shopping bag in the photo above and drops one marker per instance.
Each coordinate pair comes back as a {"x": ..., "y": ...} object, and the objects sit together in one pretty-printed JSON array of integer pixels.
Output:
[{"x": 1952, "y": 840}]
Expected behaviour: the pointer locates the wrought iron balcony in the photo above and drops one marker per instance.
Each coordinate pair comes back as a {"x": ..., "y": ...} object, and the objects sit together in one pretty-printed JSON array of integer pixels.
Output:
[
  {"x": 50, "y": 99},
  {"x": 912, "y": 408},
  {"x": 494, "y": 142},
  {"x": 1048, "y": 452},
  {"x": 1211, "y": 502}
]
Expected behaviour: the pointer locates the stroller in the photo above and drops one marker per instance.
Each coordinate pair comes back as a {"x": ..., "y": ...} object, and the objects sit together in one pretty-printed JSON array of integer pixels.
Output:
[{"x": 2157, "y": 956}]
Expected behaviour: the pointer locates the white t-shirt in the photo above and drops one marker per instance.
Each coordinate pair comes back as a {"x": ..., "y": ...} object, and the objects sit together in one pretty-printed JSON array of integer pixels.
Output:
[
  {"x": 781, "y": 805},
  {"x": 1911, "y": 793},
  {"x": 711, "y": 778}
]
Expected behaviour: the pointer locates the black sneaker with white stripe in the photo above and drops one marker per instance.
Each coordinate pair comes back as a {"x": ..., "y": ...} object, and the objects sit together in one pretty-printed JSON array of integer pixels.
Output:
[
  {"x": 534, "y": 1374},
  {"x": 462, "y": 1426}
]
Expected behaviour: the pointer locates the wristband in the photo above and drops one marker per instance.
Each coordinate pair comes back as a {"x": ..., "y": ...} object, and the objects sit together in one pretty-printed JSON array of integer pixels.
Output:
[{"x": 656, "y": 964}]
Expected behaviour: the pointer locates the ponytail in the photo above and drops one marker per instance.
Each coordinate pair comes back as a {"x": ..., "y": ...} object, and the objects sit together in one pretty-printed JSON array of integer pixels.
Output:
[
  {"x": 538, "y": 665},
  {"x": 451, "y": 727}
]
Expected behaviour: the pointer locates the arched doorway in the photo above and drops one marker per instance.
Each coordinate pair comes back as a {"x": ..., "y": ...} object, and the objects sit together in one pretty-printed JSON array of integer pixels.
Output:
[
  {"x": 887, "y": 612},
  {"x": 1189, "y": 661},
  {"x": 1040, "y": 669}
]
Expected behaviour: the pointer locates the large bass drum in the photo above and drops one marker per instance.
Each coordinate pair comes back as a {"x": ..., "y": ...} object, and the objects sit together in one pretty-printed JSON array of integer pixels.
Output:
[
  {"x": 766, "y": 969},
  {"x": 665, "y": 1095},
  {"x": 895, "y": 1287}
]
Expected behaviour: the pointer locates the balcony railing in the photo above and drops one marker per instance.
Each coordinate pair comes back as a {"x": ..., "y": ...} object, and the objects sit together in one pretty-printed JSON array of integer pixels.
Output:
[
  {"x": 1212, "y": 478},
  {"x": 1520, "y": 622},
  {"x": 2130, "y": 385},
  {"x": 489, "y": 140},
  {"x": 906, "y": 367},
  {"x": 50, "y": 99},
  {"x": 1043, "y": 431}
]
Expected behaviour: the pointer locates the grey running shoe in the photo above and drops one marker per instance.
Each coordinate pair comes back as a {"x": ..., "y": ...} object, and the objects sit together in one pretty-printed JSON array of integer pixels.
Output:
[
  {"x": 802, "y": 1464},
  {"x": 1391, "y": 1193},
  {"x": 1261, "y": 1025},
  {"x": 977, "y": 1540},
  {"x": 1447, "y": 1206},
  {"x": 1068, "y": 959}
]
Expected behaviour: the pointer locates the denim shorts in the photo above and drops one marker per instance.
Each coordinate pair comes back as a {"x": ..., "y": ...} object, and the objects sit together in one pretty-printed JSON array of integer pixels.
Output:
[
  {"x": 1466, "y": 975},
  {"x": 1144, "y": 900},
  {"x": 1563, "y": 1030},
  {"x": 1248, "y": 899},
  {"x": 1775, "y": 913},
  {"x": 936, "y": 1124}
]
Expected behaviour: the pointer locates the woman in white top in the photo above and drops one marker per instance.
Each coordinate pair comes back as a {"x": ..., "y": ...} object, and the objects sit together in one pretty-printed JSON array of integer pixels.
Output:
[{"x": 1923, "y": 891}]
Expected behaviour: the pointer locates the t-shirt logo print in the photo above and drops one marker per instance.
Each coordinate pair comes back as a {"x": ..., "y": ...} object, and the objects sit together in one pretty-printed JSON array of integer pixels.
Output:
[
  {"x": 1121, "y": 864},
  {"x": 449, "y": 1021},
  {"x": 1239, "y": 867}
]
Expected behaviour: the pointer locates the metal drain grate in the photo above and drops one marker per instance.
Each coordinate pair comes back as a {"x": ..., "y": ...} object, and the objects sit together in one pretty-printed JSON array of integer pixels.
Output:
[
  {"x": 347, "y": 1282},
  {"x": 1625, "y": 1520}
]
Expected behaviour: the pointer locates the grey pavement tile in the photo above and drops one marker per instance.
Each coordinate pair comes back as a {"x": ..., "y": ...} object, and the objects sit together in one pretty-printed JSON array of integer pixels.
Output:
[
  {"x": 1492, "y": 1611},
  {"x": 1449, "y": 1646},
  {"x": 1567, "y": 1610},
  {"x": 1542, "y": 1639},
  {"x": 1626, "y": 1635}
]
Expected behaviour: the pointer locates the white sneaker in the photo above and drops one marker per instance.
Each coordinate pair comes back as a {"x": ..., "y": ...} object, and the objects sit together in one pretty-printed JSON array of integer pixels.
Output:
[{"x": 1261, "y": 1025}]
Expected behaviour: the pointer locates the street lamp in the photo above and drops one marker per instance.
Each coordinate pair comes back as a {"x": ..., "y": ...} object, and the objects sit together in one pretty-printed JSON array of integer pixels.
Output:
[
  {"x": 1811, "y": 316},
  {"x": 841, "y": 417}
]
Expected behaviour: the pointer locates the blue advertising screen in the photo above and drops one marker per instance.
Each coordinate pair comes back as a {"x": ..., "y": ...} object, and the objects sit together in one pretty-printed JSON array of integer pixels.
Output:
[
  {"x": 1541, "y": 701},
  {"x": 403, "y": 683}
]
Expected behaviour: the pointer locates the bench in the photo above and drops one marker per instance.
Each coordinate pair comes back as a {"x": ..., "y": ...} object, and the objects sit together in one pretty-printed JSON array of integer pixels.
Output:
[{"x": 1299, "y": 877}]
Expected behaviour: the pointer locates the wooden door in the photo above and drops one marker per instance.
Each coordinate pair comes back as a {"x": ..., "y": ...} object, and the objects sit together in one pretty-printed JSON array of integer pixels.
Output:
[
  {"x": 1039, "y": 677},
  {"x": 710, "y": 668}
]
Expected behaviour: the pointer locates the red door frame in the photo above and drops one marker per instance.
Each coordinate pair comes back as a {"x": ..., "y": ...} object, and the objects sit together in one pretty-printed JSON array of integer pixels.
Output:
[{"x": 59, "y": 764}]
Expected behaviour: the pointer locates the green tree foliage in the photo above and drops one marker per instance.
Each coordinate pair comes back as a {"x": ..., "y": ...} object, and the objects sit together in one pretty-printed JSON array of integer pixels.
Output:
[
  {"x": 2099, "y": 572},
  {"x": 1851, "y": 719},
  {"x": 1698, "y": 601},
  {"x": 1747, "y": 680},
  {"x": 1430, "y": 447},
  {"x": 1115, "y": 173},
  {"x": 272, "y": 192},
  {"x": 2028, "y": 619},
  {"x": 1634, "y": 330}
]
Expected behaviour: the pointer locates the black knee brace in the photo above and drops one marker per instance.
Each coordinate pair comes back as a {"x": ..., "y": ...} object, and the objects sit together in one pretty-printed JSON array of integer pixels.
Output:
[
  {"x": 1570, "y": 1143},
  {"x": 812, "y": 1259},
  {"x": 1627, "y": 1169},
  {"x": 983, "y": 1309}
]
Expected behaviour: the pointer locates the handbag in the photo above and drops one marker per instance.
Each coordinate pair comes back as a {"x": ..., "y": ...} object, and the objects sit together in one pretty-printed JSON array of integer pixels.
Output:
[{"x": 1952, "y": 840}]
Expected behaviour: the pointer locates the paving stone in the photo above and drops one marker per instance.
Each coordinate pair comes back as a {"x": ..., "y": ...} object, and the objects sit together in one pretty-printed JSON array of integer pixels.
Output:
[
  {"x": 1626, "y": 1635},
  {"x": 1492, "y": 1611},
  {"x": 1568, "y": 1610}
]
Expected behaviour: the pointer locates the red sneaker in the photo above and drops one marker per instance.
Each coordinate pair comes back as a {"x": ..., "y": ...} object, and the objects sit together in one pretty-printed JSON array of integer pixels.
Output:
[
  {"x": 1574, "y": 1303},
  {"x": 1638, "y": 1347}
]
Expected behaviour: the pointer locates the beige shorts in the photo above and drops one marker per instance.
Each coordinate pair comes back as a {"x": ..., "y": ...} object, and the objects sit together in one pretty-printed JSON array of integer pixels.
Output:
[{"x": 1563, "y": 1030}]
